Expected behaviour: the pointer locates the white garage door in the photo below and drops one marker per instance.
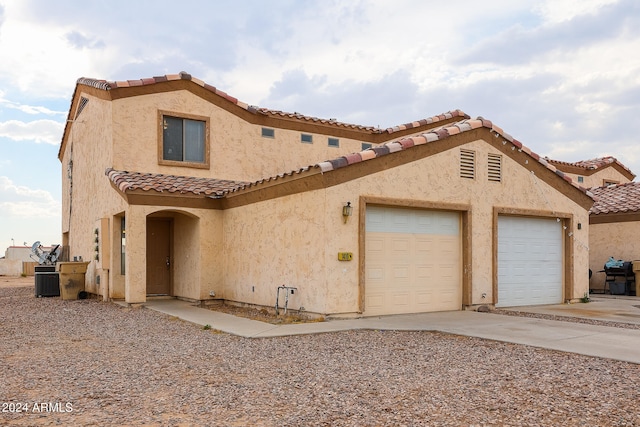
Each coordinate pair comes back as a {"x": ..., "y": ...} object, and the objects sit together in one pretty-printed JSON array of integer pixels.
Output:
[
  {"x": 529, "y": 261},
  {"x": 413, "y": 261}
]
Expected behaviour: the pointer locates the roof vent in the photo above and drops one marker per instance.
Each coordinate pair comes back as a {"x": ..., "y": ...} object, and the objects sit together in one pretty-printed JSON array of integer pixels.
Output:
[
  {"x": 494, "y": 165},
  {"x": 467, "y": 164}
]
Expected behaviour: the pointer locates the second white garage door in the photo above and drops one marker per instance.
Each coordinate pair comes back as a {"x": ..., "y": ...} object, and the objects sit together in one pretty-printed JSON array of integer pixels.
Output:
[
  {"x": 530, "y": 261},
  {"x": 413, "y": 261}
]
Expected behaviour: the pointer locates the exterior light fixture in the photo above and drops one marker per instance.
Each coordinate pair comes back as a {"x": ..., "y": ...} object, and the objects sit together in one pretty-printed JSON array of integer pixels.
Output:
[{"x": 347, "y": 210}]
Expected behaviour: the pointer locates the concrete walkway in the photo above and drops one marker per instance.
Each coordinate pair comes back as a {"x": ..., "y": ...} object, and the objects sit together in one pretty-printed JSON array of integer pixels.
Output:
[{"x": 600, "y": 341}]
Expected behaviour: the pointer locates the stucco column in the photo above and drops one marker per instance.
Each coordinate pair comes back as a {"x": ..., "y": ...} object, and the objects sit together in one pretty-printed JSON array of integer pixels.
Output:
[{"x": 135, "y": 285}]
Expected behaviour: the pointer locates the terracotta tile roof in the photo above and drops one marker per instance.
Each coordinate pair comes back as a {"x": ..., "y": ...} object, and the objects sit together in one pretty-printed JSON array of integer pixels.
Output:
[
  {"x": 109, "y": 85},
  {"x": 619, "y": 198},
  {"x": 592, "y": 164},
  {"x": 437, "y": 134},
  {"x": 130, "y": 181}
]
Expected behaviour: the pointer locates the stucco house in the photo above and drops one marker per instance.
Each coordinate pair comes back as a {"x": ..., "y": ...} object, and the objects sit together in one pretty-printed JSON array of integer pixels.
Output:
[
  {"x": 174, "y": 187},
  {"x": 614, "y": 218},
  {"x": 614, "y": 229},
  {"x": 598, "y": 172}
]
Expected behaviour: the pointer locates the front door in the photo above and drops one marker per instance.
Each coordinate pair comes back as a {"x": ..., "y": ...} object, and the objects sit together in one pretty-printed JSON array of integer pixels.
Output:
[{"x": 158, "y": 256}]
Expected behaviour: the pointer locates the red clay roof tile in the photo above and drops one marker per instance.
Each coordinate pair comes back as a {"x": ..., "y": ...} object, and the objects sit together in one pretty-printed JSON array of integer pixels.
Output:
[
  {"x": 619, "y": 198},
  {"x": 131, "y": 181},
  {"x": 591, "y": 164}
]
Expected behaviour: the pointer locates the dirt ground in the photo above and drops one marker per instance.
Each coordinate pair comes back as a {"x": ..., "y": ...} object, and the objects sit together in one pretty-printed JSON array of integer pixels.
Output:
[
  {"x": 265, "y": 315},
  {"x": 91, "y": 363},
  {"x": 16, "y": 282}
]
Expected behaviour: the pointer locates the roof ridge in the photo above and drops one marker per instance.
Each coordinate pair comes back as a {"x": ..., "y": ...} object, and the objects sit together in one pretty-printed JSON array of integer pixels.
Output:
[
  {"x": 110, "y": 85},
  {"x": 592, "y": 164}
]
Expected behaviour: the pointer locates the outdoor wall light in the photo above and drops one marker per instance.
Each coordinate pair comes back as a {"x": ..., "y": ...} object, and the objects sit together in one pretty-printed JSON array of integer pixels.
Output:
[{"x": 347, "y": 210}]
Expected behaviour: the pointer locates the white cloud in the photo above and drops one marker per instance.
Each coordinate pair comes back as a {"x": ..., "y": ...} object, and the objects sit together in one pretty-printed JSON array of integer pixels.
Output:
[
  {"x": 40, "y": 131},
  {"x": 30, "y": 109},
  {"x": 564, "y": 10},
  {"x": 24, "y": 202}
]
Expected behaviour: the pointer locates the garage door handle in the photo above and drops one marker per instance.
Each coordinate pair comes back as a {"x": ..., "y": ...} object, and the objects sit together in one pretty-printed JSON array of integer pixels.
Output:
[{"x": 168, "y": 263}]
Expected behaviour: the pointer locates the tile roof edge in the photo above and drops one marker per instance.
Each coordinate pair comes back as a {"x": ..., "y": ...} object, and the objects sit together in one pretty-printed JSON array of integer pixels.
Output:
[
  {"x": 110, "y": 85},
  {"x": 435, "y": 134},
  {"x": 119, "y": 180},
  {"x": 593, "y": 164}
]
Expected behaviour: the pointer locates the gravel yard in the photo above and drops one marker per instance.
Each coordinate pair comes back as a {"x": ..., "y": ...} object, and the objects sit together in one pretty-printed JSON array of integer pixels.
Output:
[{"x": 93, "y": 363}]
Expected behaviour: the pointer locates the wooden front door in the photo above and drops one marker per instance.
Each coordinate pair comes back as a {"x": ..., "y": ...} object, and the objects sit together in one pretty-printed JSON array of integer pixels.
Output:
[{"x": 159, "y": 256}]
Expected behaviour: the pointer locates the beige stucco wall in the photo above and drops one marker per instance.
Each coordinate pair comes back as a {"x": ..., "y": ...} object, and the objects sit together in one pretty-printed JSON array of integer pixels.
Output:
[
  {"x": 297, "y": 238},
  {"x": 244, "y": 254},
  {"x": 197, "y": 263},
  {"x": 598, "y": 178},
  {"x": 612, "y": 240},
  {"x": 237, "y": 151},
  {"x": 89, "y": 149}
]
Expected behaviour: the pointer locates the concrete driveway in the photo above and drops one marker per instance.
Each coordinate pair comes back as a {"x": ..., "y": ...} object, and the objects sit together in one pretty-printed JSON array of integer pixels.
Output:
[
  {"x": 593, "y": 340},
  {"x": 608, "y": 308}
]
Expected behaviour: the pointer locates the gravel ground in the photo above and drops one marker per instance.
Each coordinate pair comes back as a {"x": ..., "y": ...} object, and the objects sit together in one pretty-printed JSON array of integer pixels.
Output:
[{"x": 93, "y": 363}]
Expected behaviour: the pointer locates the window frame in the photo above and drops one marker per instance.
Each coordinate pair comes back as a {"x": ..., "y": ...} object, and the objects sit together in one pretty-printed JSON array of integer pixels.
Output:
[
  {"x": 330, "y": 139},
  {"x": 306, "y": 138},
  {"x": 268, "y": 130},
  {"x": 184, "y": 116}
]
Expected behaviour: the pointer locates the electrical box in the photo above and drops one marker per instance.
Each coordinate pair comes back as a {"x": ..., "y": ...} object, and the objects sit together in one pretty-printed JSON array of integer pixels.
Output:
[{"x": 345, "y": 256}]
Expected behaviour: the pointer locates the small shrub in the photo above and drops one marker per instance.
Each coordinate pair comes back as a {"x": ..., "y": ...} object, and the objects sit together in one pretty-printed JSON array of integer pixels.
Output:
[
  {"x": 585, "y": 299},
  {"x": 207, "y": 327}
]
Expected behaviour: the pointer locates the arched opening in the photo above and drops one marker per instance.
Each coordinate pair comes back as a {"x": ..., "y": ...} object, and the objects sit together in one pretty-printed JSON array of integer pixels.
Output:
[{"x": 173, "y": 254}]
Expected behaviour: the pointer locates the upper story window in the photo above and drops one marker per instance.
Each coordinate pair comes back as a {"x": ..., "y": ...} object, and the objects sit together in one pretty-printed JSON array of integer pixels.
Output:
[
  {"x": 608, "y": 182},
  {"x": 185, "y": 140},
  {"x": 268, "y": 133},
  {"x": 333, "y": 142},
  {"x": 366, "y": 146},
  {"x": 580, "y": 179},
  {"x": 306, "y": 138}
]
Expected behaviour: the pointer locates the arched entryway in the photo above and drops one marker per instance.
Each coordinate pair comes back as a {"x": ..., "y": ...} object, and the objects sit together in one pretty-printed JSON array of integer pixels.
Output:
[{"x": 173, "y": 243}]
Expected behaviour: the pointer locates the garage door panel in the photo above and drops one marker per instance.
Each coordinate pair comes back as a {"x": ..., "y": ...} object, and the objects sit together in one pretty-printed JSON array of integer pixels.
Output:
[
  {"x": 530, "y": 261},
  {"x": 420, "y": 255}
]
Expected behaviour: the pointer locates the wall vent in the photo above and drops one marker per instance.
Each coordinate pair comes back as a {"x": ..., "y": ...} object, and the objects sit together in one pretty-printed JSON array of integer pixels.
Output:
[
  {"x": 83, "y": 103},
  {"x": 494, "y": 165},
  {"x": 467, "y": 164}
]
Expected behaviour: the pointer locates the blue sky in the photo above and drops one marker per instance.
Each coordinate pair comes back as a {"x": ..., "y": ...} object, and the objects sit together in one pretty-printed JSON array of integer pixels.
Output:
[{"x": 562, "y": 76}]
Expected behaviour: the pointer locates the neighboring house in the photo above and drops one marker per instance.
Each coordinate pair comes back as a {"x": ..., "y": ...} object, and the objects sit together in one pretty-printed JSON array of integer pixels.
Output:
[
  {"x": 597, "y": 172},
  {"x": 614, "y": 228},
  {"x": 174, "y": 187},
  {"x": 614, "y": 216},
  {"x": 17, "y": 260}
]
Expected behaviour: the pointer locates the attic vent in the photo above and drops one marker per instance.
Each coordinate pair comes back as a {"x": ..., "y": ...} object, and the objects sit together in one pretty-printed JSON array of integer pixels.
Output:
[
  {"x": 467, "y": 164},
  {"x": 494, "y": 165},
  {"x": 83, "y": 102}
]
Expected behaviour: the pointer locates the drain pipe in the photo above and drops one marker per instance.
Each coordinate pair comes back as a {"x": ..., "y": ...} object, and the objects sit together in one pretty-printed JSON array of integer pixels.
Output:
[{"x": 288, "y": 290}]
